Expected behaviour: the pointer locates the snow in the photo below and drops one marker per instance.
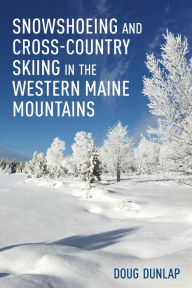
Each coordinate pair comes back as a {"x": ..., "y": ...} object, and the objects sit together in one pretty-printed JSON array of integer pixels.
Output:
[{"x": 62, "y": 233}]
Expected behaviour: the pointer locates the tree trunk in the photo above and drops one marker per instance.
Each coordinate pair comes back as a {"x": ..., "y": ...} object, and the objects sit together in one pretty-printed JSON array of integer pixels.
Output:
[{"x": 118, "y": 175}]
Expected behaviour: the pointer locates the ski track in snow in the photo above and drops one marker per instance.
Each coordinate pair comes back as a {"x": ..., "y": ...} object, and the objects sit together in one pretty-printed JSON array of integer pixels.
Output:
[{"x": 63, "y": 234}]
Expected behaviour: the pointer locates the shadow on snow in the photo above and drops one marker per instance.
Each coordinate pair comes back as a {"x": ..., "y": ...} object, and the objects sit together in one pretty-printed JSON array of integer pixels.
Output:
[
  {"x": 86, "y": 242},
  {"x": 96, "y": 241}
]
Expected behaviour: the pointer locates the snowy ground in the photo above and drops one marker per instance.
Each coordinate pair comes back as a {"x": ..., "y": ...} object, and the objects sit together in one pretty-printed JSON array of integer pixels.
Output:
[{"x": 60, "y": 234}]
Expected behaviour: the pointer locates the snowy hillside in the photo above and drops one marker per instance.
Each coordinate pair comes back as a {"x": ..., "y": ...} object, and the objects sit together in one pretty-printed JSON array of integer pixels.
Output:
[{"x": 63, "y": 234}]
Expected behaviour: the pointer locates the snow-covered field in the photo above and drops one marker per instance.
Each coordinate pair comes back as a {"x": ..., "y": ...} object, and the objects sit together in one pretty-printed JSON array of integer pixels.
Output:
[{"x": 61, "y": 234}]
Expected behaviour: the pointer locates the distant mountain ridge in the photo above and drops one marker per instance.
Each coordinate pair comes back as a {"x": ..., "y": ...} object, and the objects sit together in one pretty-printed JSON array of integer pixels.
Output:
[{"x": 9, "y": 154}]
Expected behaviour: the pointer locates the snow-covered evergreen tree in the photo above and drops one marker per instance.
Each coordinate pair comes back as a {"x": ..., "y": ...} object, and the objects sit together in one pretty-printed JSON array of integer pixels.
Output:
[
  {"x": 11, "y": 166},
  {"x": 97, "y": 166},
  {"x": 85, "y": 157},
  {"x": 147, "y": 156},
  {"x": 116, "y": 153},
  {"x": 20, "y": 167},
  {"x": 90, "y": 167},
  {"x": 169, "y": 90},
  {"x": 55, "y": 158}
]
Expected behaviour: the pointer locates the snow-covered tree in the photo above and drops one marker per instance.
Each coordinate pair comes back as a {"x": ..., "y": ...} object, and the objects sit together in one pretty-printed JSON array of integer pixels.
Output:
[
  {"x": 85, "y": 157},
  {"x": 90, "y": 167},
  {"x": 69, "y": 165},
  {"x": 169, "y": 90},
  {"x": 83, "y": 142},
  {"x": 116, "y": 153},
  {"x": 50, "y": 164},
  {"x": 37, "y": 166},
  {"x": 20, "y": 167},
  {"x": 55, "y": 158},
  {"x": 147, "y": 156},
  {"x": 174, "y": 159},
  {"x": 97, "y": 166},
  {"x": 11, "y": 166}
]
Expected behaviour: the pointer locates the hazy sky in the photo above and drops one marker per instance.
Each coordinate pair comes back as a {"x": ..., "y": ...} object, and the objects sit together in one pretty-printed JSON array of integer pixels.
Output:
[{"x": 19, "y": 137}]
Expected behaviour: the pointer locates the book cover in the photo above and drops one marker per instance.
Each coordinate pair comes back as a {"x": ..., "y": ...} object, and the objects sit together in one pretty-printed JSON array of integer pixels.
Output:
[{"x": 95, "y": 144}]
